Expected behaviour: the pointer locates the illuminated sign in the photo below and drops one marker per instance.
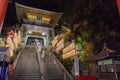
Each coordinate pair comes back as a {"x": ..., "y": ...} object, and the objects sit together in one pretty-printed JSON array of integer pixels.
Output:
[
  {"x": 59, "y": 48},
  {"x": 69, "y": 54},
  {"x": 31, "y": 16},
  {"x": 70, "y": 51},
  {"x": 105, "y": 62},
  {"x": 70, "y": 47},
  {"x": 55, "y": 38},
  {"x": 60, "y": 45},
  {"x": 56, "y": 41},
  {"x": 46, "y": 18}
]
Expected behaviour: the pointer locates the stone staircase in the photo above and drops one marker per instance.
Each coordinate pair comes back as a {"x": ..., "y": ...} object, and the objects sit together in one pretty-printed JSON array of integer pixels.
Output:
[
  {"x": 27, "y": 67},
  {"x": 52, "y": 70},
  {"x": 26, "y": 77}
]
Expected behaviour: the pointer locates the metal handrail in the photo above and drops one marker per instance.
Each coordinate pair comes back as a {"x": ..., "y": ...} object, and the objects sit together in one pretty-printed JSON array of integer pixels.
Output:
[
  {"x": 40, "y": 62},
  {"x": 63, "y": 68}
]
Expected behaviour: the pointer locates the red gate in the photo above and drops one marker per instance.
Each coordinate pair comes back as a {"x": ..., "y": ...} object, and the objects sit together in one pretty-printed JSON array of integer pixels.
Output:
[{"x": 3, "y": 7}]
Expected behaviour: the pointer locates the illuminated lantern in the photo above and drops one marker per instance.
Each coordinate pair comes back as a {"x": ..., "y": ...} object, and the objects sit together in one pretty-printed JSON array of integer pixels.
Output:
[
  {"x": 19, "y": 37},
  {"x": 15, "y": 40},
  {"x": 3, "y": 6},
  {"x": 10, "y": 45},
  {"x": 11, "y": 34}
]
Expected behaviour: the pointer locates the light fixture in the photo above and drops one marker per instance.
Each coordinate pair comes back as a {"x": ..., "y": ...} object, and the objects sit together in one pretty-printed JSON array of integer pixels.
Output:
[
  {"x": 30, "y": 32},
  {"x": 43, "y": 33}
]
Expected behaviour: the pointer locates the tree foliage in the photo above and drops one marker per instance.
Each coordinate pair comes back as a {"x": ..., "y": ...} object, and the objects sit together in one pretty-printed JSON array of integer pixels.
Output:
[{"x": 97, "y": 21}]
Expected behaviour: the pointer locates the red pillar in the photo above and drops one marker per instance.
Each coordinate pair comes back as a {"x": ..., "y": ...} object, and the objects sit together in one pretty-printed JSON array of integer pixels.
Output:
[
  {"x": 3, "y": 7},
  {"x": 118, "y": 5}
]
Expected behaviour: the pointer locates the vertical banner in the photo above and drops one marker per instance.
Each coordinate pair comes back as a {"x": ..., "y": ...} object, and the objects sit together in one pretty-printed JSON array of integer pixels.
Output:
[
  {"x": 118, "y": 5},
  {"x": 3, "y": 7}
]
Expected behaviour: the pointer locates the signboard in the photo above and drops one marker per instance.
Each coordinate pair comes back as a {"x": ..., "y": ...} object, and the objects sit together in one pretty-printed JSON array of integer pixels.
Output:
[
  {"x": 69, "y": 51},
  {"x": 3, "y": 7},
  {"x": 31, "y": 16},
  {"x": 46, "y": 18},
  {"x": 4, "y": 54},
  {"x": 1, "y": 57},
  {"x": 69, "y": 54},
  {"x": 105, "y": 62},
  {"x": 70, "y": 47},
  {"x": 60, "y": 44},
  {"x": 57, "y": 39},
  {"x": 54, "y": 42},
  {"x": 35, "y": 28}
]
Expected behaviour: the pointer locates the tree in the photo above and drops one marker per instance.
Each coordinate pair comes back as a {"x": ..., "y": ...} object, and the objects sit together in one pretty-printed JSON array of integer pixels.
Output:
[{"x": 98, "y": 19}]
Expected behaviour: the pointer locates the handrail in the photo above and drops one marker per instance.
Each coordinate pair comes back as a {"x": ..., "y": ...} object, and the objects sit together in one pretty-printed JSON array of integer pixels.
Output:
[
  {"x": 22, "y": 47},
  {"x": 40, "y": 62},
  {"x": 41, "y": 65},
  {"x": 13, "y": 65},
  {"x": 70, "y": 76},
  {"x": 63, "y": 68},
  {"x": 17, "y": 58}
]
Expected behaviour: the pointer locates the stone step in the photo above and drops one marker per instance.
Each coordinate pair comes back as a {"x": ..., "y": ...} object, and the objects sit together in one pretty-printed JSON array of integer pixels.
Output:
[
  {"x": 54, "y": 78},
  {"x": 27, "y": 75},
  {"x": 19, "y": 78},
  {"x": 27, "y": 67}
]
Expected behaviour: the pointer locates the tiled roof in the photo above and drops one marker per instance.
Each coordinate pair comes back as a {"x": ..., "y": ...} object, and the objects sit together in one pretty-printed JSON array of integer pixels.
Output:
[{"x": 105, "y": 53}]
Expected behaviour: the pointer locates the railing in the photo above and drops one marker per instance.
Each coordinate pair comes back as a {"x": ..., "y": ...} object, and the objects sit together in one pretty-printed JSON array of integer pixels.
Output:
[
  {"x": 22, "y": 46},
  {"x": 16, "y": 60},
  {"x": 13, "y": 65},
  {"x": 66, "y": 73},
  {"x": 40, "y": 62}
]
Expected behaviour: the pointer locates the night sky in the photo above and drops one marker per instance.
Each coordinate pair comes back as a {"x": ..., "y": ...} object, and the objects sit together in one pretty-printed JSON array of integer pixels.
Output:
[
  {"x": 50, "y": 5},
  {"x": 10, "y": 16},
  {"x": 58, "y": 6}
]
